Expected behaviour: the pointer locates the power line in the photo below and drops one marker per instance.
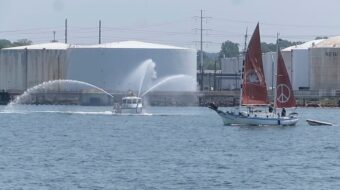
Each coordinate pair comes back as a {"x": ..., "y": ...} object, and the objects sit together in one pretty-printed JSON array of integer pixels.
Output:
[{"x": 276, "y": 24}]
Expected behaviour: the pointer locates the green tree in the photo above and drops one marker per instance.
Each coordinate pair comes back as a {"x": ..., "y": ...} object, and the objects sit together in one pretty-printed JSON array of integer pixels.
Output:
[
  {"x": 321, "y": 37},
  {"x": 268, "y": 47},
  {"x": 271, "y": 47},
  {"x": 22, "y": 42},
  {"x": 5, "y": 43},
  {"x": 229, "y": 49},
  {"x": 208, "y": 60}
]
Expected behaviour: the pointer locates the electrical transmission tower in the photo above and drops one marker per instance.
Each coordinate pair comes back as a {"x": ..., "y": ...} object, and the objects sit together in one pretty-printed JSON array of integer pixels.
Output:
[{"x": 202, "y": 29}]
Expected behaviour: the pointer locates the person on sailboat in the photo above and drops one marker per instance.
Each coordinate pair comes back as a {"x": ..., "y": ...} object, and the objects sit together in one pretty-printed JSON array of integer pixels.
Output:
[
  {"x": 283, "y": 112},
  {"x": 270, "y": 109},
  {"x": 213, "y": 106}
]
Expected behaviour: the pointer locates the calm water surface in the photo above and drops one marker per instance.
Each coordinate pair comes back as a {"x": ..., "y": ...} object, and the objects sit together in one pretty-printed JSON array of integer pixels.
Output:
[{"x": 71, "y": 147}]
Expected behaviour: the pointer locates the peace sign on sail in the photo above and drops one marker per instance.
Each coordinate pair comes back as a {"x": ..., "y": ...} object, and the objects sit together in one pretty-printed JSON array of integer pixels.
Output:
[{"x": 284, "y": 92}]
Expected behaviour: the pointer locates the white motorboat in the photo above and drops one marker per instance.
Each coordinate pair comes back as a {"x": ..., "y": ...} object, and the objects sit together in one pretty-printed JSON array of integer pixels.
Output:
[
  {"x": 254, "y": 92},
  {"x": 130, "y": 104},
  {"x": 317, "y": 123}
]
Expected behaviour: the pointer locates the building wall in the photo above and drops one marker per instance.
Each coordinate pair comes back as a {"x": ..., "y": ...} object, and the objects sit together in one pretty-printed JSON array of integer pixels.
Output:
[
  {"x": 109, "y": 68},
  {"x": 268, "y": 59},
  {"x": 287, "y": 58},
  {"x": 324, "y": 68},
  {"x": 45, "y": 65},
  {"x": 22, "y": 69},
  {"x": 300, "y": 69},
  {"x": 231, "y": 66},
  {"x": 297, "y": 63}
]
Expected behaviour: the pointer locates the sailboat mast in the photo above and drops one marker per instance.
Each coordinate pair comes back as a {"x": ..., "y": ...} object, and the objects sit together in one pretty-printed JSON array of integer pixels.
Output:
[
  {"x": 275, "y": 70},
  {"x": 242, "y": 70}
]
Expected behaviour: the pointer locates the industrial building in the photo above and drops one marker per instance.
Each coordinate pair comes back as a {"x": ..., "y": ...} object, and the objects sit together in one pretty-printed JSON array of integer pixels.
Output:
[
  {"x": 314, "y": 66},
  {"x": 106, "y": 66}
]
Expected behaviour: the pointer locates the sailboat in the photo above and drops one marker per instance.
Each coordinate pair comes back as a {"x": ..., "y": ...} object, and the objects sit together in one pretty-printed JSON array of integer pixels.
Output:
[{"x": 253, "y": 93}]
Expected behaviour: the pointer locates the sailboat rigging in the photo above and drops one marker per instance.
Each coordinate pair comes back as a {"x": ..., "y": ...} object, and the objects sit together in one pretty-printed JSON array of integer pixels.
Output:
[{"x": 253, "y": 91}]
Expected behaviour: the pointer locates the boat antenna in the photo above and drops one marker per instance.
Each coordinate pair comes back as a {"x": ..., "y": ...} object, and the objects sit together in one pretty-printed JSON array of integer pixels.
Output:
[{"x": 241, "y": 72}]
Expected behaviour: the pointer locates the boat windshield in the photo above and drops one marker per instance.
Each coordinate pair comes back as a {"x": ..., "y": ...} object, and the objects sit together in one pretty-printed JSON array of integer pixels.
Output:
[{"x": 132, "y": 101}]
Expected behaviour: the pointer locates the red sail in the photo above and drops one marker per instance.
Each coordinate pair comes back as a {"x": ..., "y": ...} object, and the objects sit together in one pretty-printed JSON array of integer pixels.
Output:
[
  {"x": 284, "y": 92},
  {"x": 254, "y": 90}
]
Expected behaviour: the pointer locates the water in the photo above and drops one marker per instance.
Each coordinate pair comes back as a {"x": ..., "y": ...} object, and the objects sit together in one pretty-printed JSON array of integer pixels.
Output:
[
  {"x": 141, "y": 77},
  {"x": 165, "y": 80},
  {"x": 146, "y": 76},
  {"x": 55, "y": 86},
  {"x": 73, "y": 147}
]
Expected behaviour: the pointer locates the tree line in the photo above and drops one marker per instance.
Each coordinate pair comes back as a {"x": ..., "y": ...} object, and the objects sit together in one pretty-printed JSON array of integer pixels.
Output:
[
  {"x": 22, "y": 42},
  {"x": 232, "y": 49}
]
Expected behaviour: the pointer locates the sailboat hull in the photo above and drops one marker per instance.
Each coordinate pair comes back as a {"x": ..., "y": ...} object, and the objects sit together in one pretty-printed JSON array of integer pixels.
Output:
[{"x": 230, "y": 118}]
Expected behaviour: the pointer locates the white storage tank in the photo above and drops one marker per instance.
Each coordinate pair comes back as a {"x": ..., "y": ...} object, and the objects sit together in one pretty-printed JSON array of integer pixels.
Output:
[
  {"x": 110, "y": 66},
  {"x": 325, "y": 65},
  {"x": 298, "y": 64},
  {"x": 26, "y": 66}
]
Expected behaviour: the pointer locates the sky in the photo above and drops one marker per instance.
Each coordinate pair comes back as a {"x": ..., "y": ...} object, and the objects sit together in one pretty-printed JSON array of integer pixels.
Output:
[{"x": 171, "y": 22}]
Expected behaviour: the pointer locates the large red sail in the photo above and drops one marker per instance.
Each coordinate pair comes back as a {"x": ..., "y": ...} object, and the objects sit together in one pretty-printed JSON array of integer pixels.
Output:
[
  {"x": 284, "y": 92},
  {"x": 254, "y": 89}
]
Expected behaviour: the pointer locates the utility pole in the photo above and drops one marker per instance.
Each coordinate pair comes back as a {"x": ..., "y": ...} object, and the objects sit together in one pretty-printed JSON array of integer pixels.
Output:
[
  {"x": 201, "y": 53},
  {"x": 245, "y": 41},
  {"x": 65, "y": 31},
  {"x": 100, "y": 32},
  {"x": 54, "y": 36},
  {"x": 202, "y": 29},
  {"x": 244, "y": 61},
  {"x": 215, "y": 75}
]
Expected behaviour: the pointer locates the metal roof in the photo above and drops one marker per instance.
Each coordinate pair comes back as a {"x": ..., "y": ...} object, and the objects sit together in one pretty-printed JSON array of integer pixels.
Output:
[
  {"x": 130, "y": 44},
  {"x": 55, "y": 45},
  {"x": 123, "y": 44},
  {"x": 305, "y": 45},
  {"x": 330, "y": 43}
]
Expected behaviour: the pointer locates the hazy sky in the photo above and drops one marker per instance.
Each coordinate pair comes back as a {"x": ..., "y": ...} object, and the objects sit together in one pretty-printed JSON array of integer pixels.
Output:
[{"x": 170, "y": 22}]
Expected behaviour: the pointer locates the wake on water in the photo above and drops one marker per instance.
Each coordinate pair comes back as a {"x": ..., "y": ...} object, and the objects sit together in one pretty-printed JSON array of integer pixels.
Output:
[{"x": 88, "y": 113}]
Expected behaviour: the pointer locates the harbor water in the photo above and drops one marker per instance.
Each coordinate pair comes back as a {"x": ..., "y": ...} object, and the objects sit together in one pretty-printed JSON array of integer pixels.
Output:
[{"x": 74, "y": 147}]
